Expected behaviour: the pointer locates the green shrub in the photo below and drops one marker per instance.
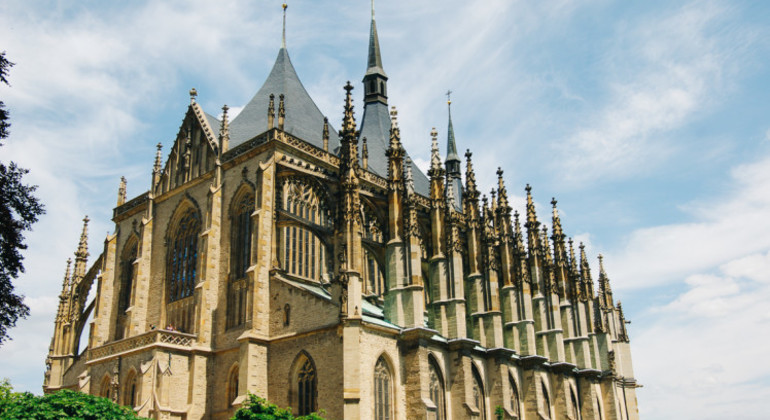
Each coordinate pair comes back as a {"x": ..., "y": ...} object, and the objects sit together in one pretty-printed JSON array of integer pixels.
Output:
[{"x": 257, "y": 408}]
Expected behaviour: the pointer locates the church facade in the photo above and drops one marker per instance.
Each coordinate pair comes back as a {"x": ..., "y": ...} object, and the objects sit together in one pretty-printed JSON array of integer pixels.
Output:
[{"x": 322, "y": 269}]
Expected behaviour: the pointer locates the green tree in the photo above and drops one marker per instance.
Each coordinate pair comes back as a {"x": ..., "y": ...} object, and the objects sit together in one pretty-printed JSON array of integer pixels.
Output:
[
  {"x": 62, "y": 405},
  {"x": 19, "y": 209},
  {"x": 257, "y": 408}
]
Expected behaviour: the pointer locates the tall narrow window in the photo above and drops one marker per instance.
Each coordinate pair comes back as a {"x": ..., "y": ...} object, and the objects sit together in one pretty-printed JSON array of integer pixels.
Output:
[
  {"x": 575, "y": 410},
  {"x": 307, "y": 382},
  {"x": 241, "y": 234},
  {"x": 478, "y": 395},
  {"x": 130, "y": 397},
  {"x": 182, "y": 264},
  {"x": 303, "y": 213},
  {"x": 514, "y": 397},
  {"x": 599, "y": 408},
  {"x": 127, "y": 259},
  {"x": 546, "y": 409},
  {"x": 232, "y": 386},
  {"x": 437, "y": 390},
  {"x": 383, "y": 394}
]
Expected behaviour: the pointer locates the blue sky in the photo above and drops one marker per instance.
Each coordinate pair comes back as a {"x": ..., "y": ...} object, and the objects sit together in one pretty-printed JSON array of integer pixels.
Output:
[{"x": 646, "y": 120}]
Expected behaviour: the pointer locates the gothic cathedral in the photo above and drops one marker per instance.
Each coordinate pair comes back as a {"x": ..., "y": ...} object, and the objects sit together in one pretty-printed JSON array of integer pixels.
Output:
[{"x": 322, "y": 269}]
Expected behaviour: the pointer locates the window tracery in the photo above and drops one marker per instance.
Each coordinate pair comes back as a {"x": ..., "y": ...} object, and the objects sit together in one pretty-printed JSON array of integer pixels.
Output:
[
  {"x": 307, "y": 382},
  {"x": 383, "y": 394},
  {"x": 240, "y": 257},
  {"x": 127, "y": 259},
  {"x": 546, "y": 408},
  {"x": 301, "y": 251},
  {"x": 232, "y": 386},
  {"x": 437, "y": 390},
  {"x": 182, "y": 264}
]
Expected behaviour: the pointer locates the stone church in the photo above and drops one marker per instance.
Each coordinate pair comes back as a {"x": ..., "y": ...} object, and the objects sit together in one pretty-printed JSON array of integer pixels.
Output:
[{"x": 320, "y": 268}]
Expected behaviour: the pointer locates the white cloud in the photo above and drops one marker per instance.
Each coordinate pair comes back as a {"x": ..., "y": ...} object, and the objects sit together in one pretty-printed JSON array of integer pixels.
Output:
[
  {"x": 663, "y": 72},
  {"x": 701, "y": 355}
]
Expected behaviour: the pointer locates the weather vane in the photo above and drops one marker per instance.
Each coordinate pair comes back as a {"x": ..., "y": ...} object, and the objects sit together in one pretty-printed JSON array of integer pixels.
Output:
[{"x": 449, "y": 97}]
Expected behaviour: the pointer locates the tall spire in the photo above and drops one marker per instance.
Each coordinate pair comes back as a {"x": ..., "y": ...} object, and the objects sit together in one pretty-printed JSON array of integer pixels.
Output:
[
  {"x": 452, "y": 159},
  {"x": 375, "y": 79},
  {"x": 82, "y": 252},
  {"x": 283, "y": 37}
]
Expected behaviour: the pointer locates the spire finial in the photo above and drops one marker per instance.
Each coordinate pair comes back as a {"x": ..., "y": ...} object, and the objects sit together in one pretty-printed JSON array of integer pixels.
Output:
[
  {"x": 281, "y": 111},
  {"x": 435, "y": 160},
  {"x": 502, "y": 193},
  {"x": 122, "y": 191},
  {"x": 224, "y": 130},
  {"x": 325, "y": 134},
  {"x": 470, "y": 177},
  {"x": 66, "y": 282},
  {"x": 531, "y": 215},
  {"x": 193, "y": 94},
  {"x": 408, "y": 176},
  {"x": 82, "y": 251},
  {"x": 372, "y": 9},
  {"x": 348, "y": 120},
  {"x": 158, "y": 159},
  {"x": 271, "y": 112},
  {"x": 449, "y": 99},
  {"x": 283, "y": 38}
]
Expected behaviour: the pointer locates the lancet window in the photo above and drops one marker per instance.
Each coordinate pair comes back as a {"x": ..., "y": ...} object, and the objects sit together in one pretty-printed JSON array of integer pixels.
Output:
[
  {"x": 240, "y": 257},
  {"x": 182, "y": 263},
  {"x": 437, "y": 390},
  {"x": 478, "y": 395},
  {"x": 232, "y": 386},
  {"x": 514, "y": 397},
  {"x": 383, "y": 392},
  {"x": 546, "y": 408},
  {"x": 306, "y": 385},
  {"x": 130, "y": 396},
  {"x": 304, "y": 214},
  {"x": 127, "y": 259},
  {"x": 575, "y": 410},
  {"x": 374, "y": 280}
]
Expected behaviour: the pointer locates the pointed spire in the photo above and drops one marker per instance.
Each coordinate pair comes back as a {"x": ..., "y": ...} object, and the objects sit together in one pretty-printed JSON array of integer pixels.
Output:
[
  {"x": 558, "y": 234},
  {"x": 435, "y": 159},
  {"x": 375, "y": 80},
  {"x": 348, "y": 119},
  {"x": 271, "y": 112},
  {"x": 122, "y": 191},
  {"x": 573, "y": 264},
  {"x": 559, "y": 247},
  {"x": 82, "y": 252},
  {"x": 283, "y": 36},
  {"x": 605, "y": 291},
  {"x": 325, "y": 134},
  {"x": 502, "y": 193},
  {"x": 281, "y": 112},
  {"x": 585, "y": 274},
  {"x": 452, "y": 159},
  {"x": 364, "y": 155},
  {"x": 156, "y": 167},
  {"x": 519, "y": 240},
  {"x": 531, "y": 214},
  {"x": 224, "y": 131},
  {"x": 67, "y": 277},
  {"x": 470, "y": 177}
]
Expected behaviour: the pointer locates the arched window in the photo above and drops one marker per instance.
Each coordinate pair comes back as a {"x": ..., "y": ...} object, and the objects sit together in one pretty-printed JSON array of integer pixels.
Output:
[
  {"x": 478, "y": 395},
  {"x": 383, "y": 392},
  {"x": 303, "y": 212},
  {"x": 232, "y": 386},
  {"x": 373, "y": 238},
  {"x": 437, "y": 393},
  {"x": 514, "y": 397},
  {"x": 105, "y": 387},
  {"x": 286, "y": 315},
  {"x": 182, "y": 263},
  {"x": 182, "y": 270},
  {"x": 127, "y": 259},
  {"x": 599, "y": 408},
  {"x": 130, "y": 392},
  {"x": 575, "y": 408},
  {"x": 241, "y": 236},
  {"x": 546, "y": 408},
  {"x": 306, "y": 382},
  {"x": 240, "y": 258}
]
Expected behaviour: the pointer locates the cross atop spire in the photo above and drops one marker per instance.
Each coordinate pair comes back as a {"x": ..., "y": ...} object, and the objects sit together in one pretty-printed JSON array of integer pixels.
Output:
[{"x": 283, "y": 37}]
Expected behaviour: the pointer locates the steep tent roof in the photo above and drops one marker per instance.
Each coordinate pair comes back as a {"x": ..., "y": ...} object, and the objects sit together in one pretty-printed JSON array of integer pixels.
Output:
[{"x": 303, "y": 118}]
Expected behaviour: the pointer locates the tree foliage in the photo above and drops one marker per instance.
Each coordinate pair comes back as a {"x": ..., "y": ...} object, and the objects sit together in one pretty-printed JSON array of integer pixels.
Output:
[
  {"x": 63, "y": 405},
  {"x": 257, "y": 408},
  {"x": 19, "y": 209}
]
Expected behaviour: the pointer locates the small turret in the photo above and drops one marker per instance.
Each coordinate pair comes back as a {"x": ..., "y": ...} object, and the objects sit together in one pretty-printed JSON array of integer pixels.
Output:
[{"x": 375, "y": 80}]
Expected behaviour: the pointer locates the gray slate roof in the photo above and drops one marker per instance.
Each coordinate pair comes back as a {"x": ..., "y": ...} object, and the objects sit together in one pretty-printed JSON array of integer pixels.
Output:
[
  {"x": 375, "y": 126},
  {"x": 303, "y": 118}
]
